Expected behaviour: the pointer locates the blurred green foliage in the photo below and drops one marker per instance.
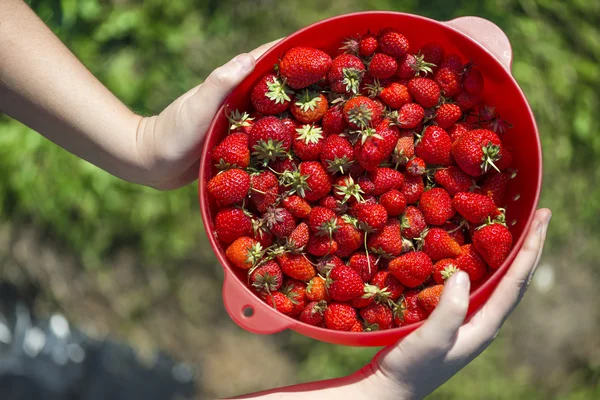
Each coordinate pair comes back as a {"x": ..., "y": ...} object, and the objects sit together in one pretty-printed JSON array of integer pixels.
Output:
[{"x": 149, "y": 52}]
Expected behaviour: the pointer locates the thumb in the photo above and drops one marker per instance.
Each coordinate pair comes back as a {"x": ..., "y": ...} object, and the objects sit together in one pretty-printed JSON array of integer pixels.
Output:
[{"x": 199, "y": 108}]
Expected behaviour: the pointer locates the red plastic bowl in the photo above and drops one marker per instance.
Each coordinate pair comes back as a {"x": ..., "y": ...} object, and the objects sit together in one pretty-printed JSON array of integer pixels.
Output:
[{"x": 474, "y": 39}]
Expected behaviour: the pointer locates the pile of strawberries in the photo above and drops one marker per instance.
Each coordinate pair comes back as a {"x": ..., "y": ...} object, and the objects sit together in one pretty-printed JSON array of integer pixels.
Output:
[{"x": 359, "y": 184}]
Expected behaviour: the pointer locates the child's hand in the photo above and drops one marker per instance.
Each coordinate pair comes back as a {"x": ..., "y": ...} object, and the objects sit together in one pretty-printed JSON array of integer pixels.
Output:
[{"x": 169, "y": 144}]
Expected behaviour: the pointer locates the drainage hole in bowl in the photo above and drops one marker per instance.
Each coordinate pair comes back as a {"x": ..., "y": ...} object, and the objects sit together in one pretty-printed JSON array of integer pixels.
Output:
[{"x": 248, "y": 311}]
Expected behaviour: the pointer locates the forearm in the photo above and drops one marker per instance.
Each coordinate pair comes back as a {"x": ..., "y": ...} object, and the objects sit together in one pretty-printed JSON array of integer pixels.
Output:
[
  {"x": 43, "y": 85},
  {"x": 367, "y": 383}
]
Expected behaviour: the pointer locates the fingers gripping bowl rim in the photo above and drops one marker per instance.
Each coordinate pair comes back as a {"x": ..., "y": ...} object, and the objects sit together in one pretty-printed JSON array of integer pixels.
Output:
[{"x": 474, "y": 39}]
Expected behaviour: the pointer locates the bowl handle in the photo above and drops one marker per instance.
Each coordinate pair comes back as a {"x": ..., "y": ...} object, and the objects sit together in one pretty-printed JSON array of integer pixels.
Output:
[
  {"x": 488, "y": 34},
  {"x": 238, "y": 299}
]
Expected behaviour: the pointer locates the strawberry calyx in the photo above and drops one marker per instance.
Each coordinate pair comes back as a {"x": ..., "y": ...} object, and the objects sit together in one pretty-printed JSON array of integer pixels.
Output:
[
  {"x": 308, "y": 100},
  {"x": 491, "y": 153},
  {"x": 448, "y": 271},
  {"x": 360, "y": 115},
  {"x": 420, "y": 65},
  {"x": 309, "y": 134},
  {"x": 295, "y": 181},
  {"x": 349, "y": 189},
  {"x": 288, "y": 290},
  {"x": 374, "y": 89},
  {"x": 273, "y": 216},
  {"x": 266, "y": 282},
  {"x": 269, "y": 151},
  {"x": 351, "y": 45},
  {"x": 398, "y": 308},
  {"x": 278, "y": 91},
  {"x": 371, "y": 327},
  {"x": 239, "y": 120},
  {"x": 352, "y": 79},
  {"x": 366, "y": 133},
  {"x": 339, "y": 164}
]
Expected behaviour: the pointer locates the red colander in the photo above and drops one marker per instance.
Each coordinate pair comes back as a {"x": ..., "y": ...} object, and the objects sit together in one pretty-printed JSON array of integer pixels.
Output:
[{"x": 474, "y": 39}]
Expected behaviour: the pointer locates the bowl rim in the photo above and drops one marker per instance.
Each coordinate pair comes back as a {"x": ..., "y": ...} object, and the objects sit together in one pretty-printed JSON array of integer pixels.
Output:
[{"x": 488, "y": 286}]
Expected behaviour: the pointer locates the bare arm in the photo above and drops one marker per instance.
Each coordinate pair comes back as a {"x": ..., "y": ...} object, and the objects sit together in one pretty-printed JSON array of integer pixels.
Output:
[{"x": 43, "y": 85}]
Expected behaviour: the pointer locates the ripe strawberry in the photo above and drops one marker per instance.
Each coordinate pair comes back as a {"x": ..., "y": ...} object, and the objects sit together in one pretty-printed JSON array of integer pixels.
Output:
[
  {"x": 296, "y": 291},
  {"x": 346, "y": 190},
  {"x": 232, "y": 223},
  {"x": 438, "y": 244},
  {"x": 337, "y": 154},
  {"x": 455, "y": 232},
  {"x": 387, "y": 282},
  {"x": 329, "y": 202},
  {"x": 229, "y": 187},
  {"x": 436, "y": 206},
  {"x": 264, "y": 190},
  {"x": 453, "y": 179},
  {"x": 308, "y": 142},
  {"x": 505, "y": 160},
  {"x": 395, "y": 95},
  {"x": 466, "y": 101},
  {"x": 377, "y": 316},
  {"x": 370, "y": 294},
  {"x": 233, "y": 151},
  {"x": 309, "y": 106},
  {"x": 495, "y": 186},
  {"x": 371, "y": 217},
  {"x": 367, "y": 45},
  {"x": 286, "y": 164},
  {"x": 413, "y": 222},
  {"x": 364, "y": 265},
  {"x": 387, "y": 242},
  {"x": 447, "y": 114},
  {"x": 432, "y": 53},
  {"x": 453, "y": 62},
  {"x": 472, "y": 81},
  {"x": 357, "y": 327},
  {"x": 476, "y": 151},
  {"x": 474, "y": 207},
  {"x": 313, "y": 313},
  {"x": 430, "y": 297},
  {"x": 411, "y": 269},
  {"x": 279, "y": 301},
  {"x": 269, "y": 139},
  {"x": 310, "y": 181},
  {"x": 387, "y": 135},
  {"x": 244, "y": 252},
  {"x": 333, "y": 121},
  {"x": 457, "y": 130},
  {"x": 280, "y": 222},
  {"x": 413, "y": 188},
  {"x": 297, "y": 206},
  {"x": 386, "y": 179},
  {"x": 435, "y": 146},
  {"x": 267, "y": 277},
  {"x": 443, "y": 269},
  {"x": 346, "y": 74},
  {"x": 416, "y": 167},
  {"x": 299, "y": 237},
  {"x": 296, "y": 266},
  {"x": 321, "y": 246},
  {"x": 410, "y": 115},
  {"x": 382, "y": 66},
  {"x": 471, "y": 262},
  {"x": 270, "y": 96},
  {"x": 303, "y": 66},
  {"x": 404, "y": 150},
  {"x": 326, "y": 264},
  {"x": 448, "y": 80},
  {"x": 344, "y": 284},
  {"x": 394, "y": 202},
  {"x": 494, "y": 242},
  {"x": 348, "y": 238},
  {"x": 361, "y": 112},
  {"x": 392, "y": 43},
  {"x": 322, "y": 221},
  {"x": 425, "y": 91},
  {"x": 260, "y": 233},
  {"x": 340, "y": 317},
  {"x": 316, "y": 289},
  {"x": 409, "y": 310}
]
